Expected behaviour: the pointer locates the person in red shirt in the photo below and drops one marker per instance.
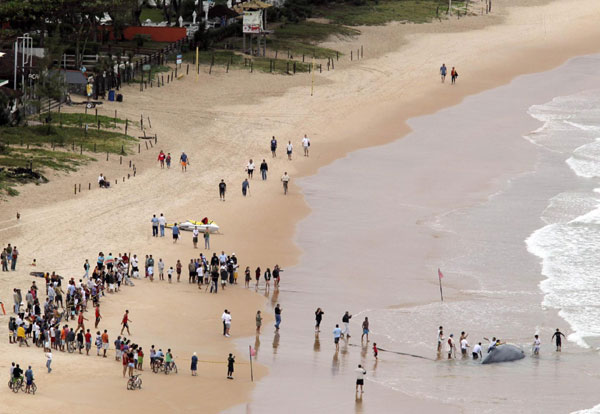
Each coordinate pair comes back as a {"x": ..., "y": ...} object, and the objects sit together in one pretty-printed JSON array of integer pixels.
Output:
[
  {"x": 80, "y": 320},
  {"x": 161, "y": 159},
  {"x": 125, "y": 363},
  {"x": 375, "y": 350},
  {"x": 88, "y": 342},
  {"x": 125, "y": 323},
  {"x": 98, "y": 316},
  {"x": 104, "y": 342}
]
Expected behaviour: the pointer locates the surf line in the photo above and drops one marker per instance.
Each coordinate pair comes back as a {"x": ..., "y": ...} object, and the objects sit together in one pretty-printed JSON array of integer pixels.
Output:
[{"x": 398, "y": 352}]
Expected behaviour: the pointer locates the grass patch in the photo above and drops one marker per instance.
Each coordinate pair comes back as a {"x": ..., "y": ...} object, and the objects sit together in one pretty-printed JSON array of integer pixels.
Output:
[
  {"x": 385, "y": 11},
  {"x": 154, "y": 14},
  {"x": 79, "y": 120}
]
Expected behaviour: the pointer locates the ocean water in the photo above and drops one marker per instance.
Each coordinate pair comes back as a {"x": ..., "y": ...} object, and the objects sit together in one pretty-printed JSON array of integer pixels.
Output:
[{"x": 569, "y": 243}]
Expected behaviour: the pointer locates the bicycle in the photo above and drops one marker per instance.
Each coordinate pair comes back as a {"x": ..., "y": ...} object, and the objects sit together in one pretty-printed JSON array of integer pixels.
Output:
[
  {"x": 70, "y": 347},
  {"x": 15, "y": 384},
  {"x": 158, "y": 366},
  {"x": 134, "y": 382},
  {"x": 172, "y": 367},
  {"x": 32, "y": 388}
]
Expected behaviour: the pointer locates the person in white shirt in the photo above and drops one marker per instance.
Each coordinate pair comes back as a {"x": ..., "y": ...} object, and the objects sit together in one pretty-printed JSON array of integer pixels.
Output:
[
  {"x": 195, "y": 234},
  {"x": 250, "y": 169},
  {"x": 440, "y": 338},
  {"x": 305, "y": 145},
  {"x": 285, "y": 179},
  {"x": 135, "y": 271},
  {"x": 451, "y": 347},
  {"x": 227, "y": 321},
  {"x": 161, "y": 269},
  {"x": 360, "y": 377},
  {"x": 162, "y": 222},
  {"x": 289, "y": 150},
  {"x": 536, "y": 345},
  {"x": 477, "y": 351},
  {"x": 464, "y": 346}
]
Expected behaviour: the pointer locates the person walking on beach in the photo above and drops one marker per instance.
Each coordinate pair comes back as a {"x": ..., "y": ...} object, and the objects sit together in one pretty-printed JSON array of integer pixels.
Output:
[
  {"x": 285, "y": 179},
  {"x": 277, "y": 316},
  {"x": 360, "y": 378},
  {"x": 250, "y": 169},
  {"x": 375, "y": 350},
  {"x": 154, "y": 221},
  {"x": 258, "y": 322},
  {"x": 49, "y": 360},
  {"x": 557, "y": 337},
  {"x": 175, "y": 231},
  {"x": 453, "y": 75},
  {"x": 263, "y": 169},
  {"x": 477, "y": 351},
  {"x": 443, "y": 71},
  {"x": 15, "y": 255},
  {"x": 536, "y": 345},
  {"x": 184, "y": 161},
  {"x": 337, "y": 333},
  {"x": 194, "y": 365},
  {"x": 230, "y": 362},
  {"x": 451, "y": 347},
  {"x": 222, "y": 188},
  {"x": 305, "y": 145},
  {"x": 289, "y": 150},
  {"x": 365, "y": 327},
  {"x": 162, "y": 222},
  {"x": 274, "y": 147},
  {"x": 245, "y": 187},
  {"x": 161, "y": 159},
  {"x": 346, "y": 321},
  {"x": 125, "y": 323},
  {"x": 318, "y": 318}
]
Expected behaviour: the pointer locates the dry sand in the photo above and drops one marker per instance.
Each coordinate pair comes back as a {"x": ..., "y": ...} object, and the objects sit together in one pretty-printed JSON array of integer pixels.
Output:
[{"x": 221, "y": 121}]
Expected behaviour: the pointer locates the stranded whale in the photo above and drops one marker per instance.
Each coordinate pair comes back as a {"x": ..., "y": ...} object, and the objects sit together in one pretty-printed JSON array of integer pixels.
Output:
[{"x": 504, "y": 353}]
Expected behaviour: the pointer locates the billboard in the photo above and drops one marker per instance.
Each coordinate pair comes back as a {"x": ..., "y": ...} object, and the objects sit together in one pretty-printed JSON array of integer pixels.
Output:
[{"x": 252, "y": 21}]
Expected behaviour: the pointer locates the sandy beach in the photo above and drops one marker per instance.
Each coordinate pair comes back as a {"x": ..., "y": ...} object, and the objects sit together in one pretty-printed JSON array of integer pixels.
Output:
[{"x": 440, "y": 172}]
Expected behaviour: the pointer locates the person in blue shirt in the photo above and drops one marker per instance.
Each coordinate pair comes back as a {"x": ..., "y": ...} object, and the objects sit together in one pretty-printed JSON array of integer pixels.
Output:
[
  {"x": 194, "y": 366},
  {"x": 175, "y": 233},
  {"x": 28, "y": 378},
  {"x": 245, "y": 187},
  {"x": 154, "y": 226},
  {"x": 184, "y": 161}
]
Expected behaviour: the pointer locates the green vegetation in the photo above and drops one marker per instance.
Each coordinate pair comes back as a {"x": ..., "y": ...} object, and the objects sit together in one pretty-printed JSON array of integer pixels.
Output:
[
  {"x": 79, "y": 120},
  {"x": 54, "y": 148},
  {"x": 385, "y": 11},
  {"x": 154, "y": 14}
]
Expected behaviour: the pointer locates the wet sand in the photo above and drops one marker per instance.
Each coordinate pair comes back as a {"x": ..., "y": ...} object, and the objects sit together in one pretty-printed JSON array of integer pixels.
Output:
[{"x": 383, "y": 219}]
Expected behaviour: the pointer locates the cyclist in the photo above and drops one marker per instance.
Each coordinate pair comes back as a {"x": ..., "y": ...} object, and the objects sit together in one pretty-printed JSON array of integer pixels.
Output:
[
  {"x": 28, "y": 378},
  {"x": 17, "y": 373},
  {"x": 159, "y": 358}
]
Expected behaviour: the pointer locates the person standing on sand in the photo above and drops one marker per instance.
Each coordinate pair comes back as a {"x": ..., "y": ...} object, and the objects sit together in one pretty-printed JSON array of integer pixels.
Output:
[
  {"x": 162, "y": 222},
  {"x": 258, "y": 322},
  {"x": 15, "y": 255},
  {"x": 168, "y": 160},
  {"x": 453, "y": 75},
  {"x": 346, "y": 321},
  {"x": 175, "y": 231},
  {"x": 277, "y": 316},
  {"x": 194, "y": 365},
  {"x": 178, "y": 267},
  {"x": 250, "y": 169},
  {"x": 230, "y": 362},
  {"x": 365, "y": 327},
  {"x": 318, "y": 318},
  {"x": 556, "y": 336},
  {"x": 161, "y": 269},
  {"x": 125, "y": 323},
  {"x": 184, "y": 161},
  {"x": 274, "y": 147},
  {"x": 245, "y": 187},
  {"x": 285, "y": 179},
  {"x": 337, "y": 333},
  {"x": 222, "y": 189},
  {"x": 360, "y": 377},
  {"x": 49, "y": 360},
  {"x": 206, "y": 239},
  {"x": 289, "y": 150},
  {"x": 263, "y": 170},
  {"x": 161, "y": 159},
  {"x": 443, "y": 71},
  {"x": 195, "y": 233},
  {"x": 305, "y": 145},
  {"x": 192, "y": 271},
  {"x": 154, "y": 221}
]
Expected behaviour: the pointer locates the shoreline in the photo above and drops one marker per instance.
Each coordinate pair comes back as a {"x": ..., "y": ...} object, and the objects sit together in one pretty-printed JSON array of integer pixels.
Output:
[{"x": 248, "y": 220}]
